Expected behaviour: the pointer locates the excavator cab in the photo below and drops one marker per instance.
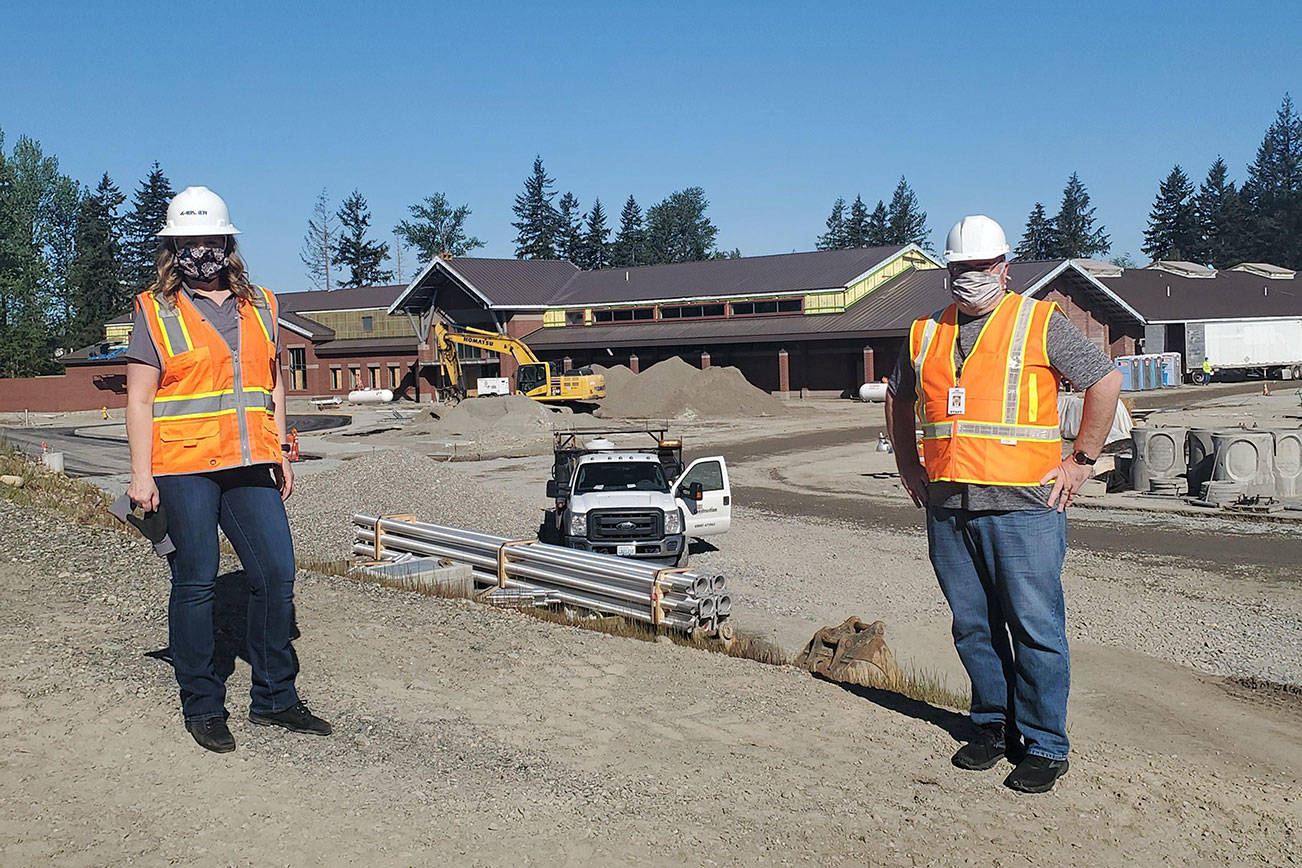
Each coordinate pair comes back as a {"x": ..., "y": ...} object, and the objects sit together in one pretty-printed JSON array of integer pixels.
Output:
[{"x": 530, "y": 377}]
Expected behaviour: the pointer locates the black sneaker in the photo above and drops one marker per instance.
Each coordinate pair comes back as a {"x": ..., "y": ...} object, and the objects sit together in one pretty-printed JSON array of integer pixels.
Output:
[
  {"x": 296, "y": 719},
  {"x": 1036, "y": 774},
  {"x": 984, "y": 751},
  {"x": 212, "y": 733}
]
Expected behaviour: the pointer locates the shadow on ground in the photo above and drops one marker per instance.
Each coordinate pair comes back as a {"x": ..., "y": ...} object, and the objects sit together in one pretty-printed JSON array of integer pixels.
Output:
[{"x": 957, "y": 726}]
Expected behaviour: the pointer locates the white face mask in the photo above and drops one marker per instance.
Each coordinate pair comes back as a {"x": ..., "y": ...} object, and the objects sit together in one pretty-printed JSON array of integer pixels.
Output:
[{"x": 975, "y": 291}]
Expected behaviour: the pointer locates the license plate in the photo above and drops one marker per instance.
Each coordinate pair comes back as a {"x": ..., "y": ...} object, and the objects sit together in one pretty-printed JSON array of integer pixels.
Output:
[{"x": 626, "y": 551}]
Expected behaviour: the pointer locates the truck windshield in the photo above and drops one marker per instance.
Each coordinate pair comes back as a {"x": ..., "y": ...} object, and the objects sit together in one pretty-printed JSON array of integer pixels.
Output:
[{"x": 620, "y": 476}]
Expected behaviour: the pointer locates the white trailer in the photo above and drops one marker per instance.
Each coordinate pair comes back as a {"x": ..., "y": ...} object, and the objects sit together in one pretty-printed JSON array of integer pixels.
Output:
[{"x": 1268, "y": 348}]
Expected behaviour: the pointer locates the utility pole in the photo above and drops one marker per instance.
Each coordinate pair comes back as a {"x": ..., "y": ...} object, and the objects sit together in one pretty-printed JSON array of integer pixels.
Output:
[{"x": 397, "y": 252}]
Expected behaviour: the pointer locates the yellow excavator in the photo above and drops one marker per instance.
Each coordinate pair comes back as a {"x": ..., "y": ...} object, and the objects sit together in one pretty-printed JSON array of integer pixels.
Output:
[{"x": 534, "y": 378}]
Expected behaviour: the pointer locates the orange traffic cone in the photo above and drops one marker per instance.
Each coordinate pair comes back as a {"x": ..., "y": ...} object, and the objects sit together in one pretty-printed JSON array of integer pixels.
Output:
[
  {"x": 1265, "y": 388},
  {"x": 293, "y": 444}
]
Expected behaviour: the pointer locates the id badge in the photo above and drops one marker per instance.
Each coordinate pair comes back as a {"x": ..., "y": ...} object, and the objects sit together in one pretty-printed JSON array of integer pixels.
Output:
[{"x": 957, "y": 401}]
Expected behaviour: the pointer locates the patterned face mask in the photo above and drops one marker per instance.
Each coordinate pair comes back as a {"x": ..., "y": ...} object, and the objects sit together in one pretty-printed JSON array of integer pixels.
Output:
[{"x": 201, "y": 263}]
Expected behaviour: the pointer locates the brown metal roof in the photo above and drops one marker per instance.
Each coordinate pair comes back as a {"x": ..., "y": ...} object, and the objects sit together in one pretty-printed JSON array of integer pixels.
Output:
[
  {"x": 316, "y": 330},
  {"x": 361, "y": 297},
  {"x": 1160, "y": 296},
  {"x": 365, "y": 346},
  {"x": 721, "y": 278}
]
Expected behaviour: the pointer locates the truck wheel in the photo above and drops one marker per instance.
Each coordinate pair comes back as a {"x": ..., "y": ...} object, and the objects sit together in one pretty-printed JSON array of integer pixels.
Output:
[
  {"x": 547, "y": 532},
  {"x": 1199, "y": 378}
]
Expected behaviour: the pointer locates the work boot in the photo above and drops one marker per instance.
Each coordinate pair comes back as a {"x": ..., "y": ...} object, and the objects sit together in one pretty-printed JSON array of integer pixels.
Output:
[
  {"x": 1036, "y": 774},
  {"x": 296, "y": 719},
  {"x": 984, "y": 751},
  {"x": 212, "y": 733}
]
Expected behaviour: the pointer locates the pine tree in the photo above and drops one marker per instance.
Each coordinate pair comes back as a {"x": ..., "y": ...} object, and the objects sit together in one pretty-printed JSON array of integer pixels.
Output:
[
  {"x": 1172, "y": 231},
  {"x": 537, "y": 222},
  {"x": 1075, "y": 235},
  {"x": 361, "y": 256},
  {"x": 436, "y": 227},
  {"x": 677, "y": 229},
  {"x": 140, "y": 228},
  {"x": 835, "y": 236},
  {"x": 908, "y": 222},
  {"x": 1273, "y": 191},
  {"x": 321, "y": 243},
  {"x": 629, "y": 248},
  {"x": 569, "y": 228},
  {"x": 97, "y": 286},
  {"x": 877, "y": 226},
  {"x": 1221, "y": 218},
  {"x": 65, "y": 205},
  {"x": 856, "y": 227},
  {"x": 594, "y": 248},
  {"x": 1038, "y": 238}
]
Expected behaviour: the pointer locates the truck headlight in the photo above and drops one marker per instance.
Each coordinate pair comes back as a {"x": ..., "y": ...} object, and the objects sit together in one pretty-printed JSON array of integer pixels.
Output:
[
  {"x": 578, "y": 524},
  {"x": 673, "y": 521}
]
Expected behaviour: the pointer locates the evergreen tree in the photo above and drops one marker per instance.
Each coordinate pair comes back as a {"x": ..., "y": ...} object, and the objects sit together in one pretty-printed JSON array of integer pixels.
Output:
[
  {"x": 140, "y": 229},
  {"x": 1221, "y": 218},
  {"x": 28, "y": 179},
  {"x": 569, "y": 228},
  {"x": 677, "y": 229},
  {"x": 321, "y": 243},
  {"x": 97, "y": 286},
  {"x": 594, "y": 249},
  {"x": 835, "y": 236},
  {"x": 65, "y": 204},
  {"x": 856, "y": 228},
  {"x": 908, "y": 222},
  {"x": 537, "y": 221},
  {"x": 1172, "y": 231},
  {"x": 436, "y": 227},
  {"x": 1273, "y": 191},
  {"x": 629, "y": 248},
  {"x": 877, "y": 226},
  {"x": 1037, "y": 239},
  {"x": 734, "y": 253},
  {"x": 1075, "y": 235},
  {"x": 360, "y": 255}
]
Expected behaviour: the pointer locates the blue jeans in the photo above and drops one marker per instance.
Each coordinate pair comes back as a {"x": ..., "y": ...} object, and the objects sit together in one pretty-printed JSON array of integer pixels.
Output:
[
  {"x": 245, "y": 503},
  {"x": 1002, "y": 575}
]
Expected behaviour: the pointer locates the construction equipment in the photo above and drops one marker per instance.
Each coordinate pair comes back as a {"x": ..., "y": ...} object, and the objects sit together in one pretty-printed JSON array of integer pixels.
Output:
[
  {"x": 854, "y": 652},
  {"x": 534, "y": 378}
]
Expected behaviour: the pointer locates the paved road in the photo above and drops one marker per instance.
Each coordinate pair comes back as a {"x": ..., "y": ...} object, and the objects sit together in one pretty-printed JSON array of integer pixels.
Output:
[
  {"x": 89, "y": 455},
  {"x": 1223, "y": 544}
]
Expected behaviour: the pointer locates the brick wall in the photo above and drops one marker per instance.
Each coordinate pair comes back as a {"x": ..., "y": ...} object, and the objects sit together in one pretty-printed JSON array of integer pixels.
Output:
[{"x": 79, "y": 388}]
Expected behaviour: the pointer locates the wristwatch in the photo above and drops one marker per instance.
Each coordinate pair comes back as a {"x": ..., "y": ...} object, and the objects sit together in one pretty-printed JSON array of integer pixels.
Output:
[
  {"x": 285, "y": 447},
  {"x": 1083, "y": 459}
]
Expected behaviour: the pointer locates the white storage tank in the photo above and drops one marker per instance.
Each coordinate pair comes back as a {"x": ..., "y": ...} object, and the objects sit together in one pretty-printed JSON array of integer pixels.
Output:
[
  {"x": 1288, "y": 462},
  {"x": 370, "y": 396},
  {"x": 1159, "y": 454},
  {"x": 1246, "y": 458},
  {"x": 872, "y": 392}
]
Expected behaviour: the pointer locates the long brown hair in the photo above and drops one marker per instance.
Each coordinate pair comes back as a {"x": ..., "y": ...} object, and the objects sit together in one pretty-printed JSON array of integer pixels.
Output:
[{"x": 233, "y": 277}]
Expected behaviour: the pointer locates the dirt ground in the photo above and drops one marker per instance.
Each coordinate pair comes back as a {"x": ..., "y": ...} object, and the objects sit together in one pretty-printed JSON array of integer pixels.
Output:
[{"x": 466, "y": 735}]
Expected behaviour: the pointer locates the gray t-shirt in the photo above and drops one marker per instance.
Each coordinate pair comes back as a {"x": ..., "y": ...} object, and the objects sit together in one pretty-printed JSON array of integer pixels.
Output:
[
  {"x": 224, "y": 317},
  {"x": 1072, "y": 355}
]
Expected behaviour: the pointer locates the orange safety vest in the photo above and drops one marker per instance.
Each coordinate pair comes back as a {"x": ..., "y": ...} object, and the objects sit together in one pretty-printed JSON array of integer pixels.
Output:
[
  {"x": 212, "y": 410},
  {"x": 1007, "y": 433}
]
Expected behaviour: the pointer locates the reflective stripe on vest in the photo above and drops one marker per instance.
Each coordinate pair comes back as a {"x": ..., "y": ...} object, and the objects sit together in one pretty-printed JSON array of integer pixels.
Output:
[
  {"x": 176, "y": 337},
  {"x": 211, "y": 404}
]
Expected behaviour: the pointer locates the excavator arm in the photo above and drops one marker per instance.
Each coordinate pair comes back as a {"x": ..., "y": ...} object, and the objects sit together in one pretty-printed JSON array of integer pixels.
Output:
[{"x": 501, "y": 344}]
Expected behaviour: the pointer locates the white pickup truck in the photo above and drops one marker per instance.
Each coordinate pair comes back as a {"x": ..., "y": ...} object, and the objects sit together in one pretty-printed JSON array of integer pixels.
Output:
[{"x": 636, "y": 501}]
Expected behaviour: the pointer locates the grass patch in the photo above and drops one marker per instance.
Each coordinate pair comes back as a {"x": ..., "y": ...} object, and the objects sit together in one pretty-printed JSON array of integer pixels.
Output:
[
  {"x": 929, "y": 686},
  {"x": 81, "y": 502}
]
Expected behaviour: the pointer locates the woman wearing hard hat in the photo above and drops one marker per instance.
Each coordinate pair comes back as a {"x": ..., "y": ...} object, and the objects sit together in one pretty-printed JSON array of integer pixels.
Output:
[{"x": 206, "y": 425}]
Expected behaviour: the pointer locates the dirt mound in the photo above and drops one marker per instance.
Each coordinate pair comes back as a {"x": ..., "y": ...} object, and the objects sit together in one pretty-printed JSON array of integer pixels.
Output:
[
  {"x": 501, "y": 413},
  {"x": 674, "y": 389},
  {"x": 616, "y": 376}
]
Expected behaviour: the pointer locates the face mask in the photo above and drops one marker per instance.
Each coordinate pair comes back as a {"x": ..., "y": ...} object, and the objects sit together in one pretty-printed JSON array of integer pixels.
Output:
[
  {"x": 974, "y": 291},
  {"x": 201, "y": 263}
]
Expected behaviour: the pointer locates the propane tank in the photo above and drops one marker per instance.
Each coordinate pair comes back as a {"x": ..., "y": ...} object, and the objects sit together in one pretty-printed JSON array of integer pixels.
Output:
[
  {"x": 370, "y": 396},
  {"x": 872, "y": 392}
]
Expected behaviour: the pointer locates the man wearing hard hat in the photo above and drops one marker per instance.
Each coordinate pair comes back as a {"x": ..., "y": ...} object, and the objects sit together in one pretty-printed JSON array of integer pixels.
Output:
[{"x": 982, "y": 375}]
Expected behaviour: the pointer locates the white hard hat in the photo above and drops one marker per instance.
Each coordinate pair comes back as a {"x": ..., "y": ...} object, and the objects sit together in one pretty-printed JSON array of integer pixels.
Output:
[
  {"x": 197, "y": 211},
  {"x": 975, "y": 238}
]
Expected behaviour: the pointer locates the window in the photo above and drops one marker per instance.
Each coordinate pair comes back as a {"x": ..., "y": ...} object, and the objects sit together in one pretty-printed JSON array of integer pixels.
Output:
[
  {"x": 466, "y": 352},
  {"x": 691, "y": 311},
  {"x": 620, "y": 476},
  {"x": 625, "y": 314},
  {"x": 708, "y": 473},
  {"x": 573, "y": 317},
  {"x": 336, "y": 379},
  {"x": 297, "y": 368},
  {"x": 368, "y": 323},
  {"x": 762, "y": 308},
  {"x": 374, "y": 371},
  {"x": 355, "y": 377},
  {"x": 393, "y": 376}
]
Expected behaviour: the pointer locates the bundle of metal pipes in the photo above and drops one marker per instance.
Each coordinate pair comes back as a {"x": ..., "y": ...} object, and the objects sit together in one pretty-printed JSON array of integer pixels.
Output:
[{"x": 680, "y": 599}]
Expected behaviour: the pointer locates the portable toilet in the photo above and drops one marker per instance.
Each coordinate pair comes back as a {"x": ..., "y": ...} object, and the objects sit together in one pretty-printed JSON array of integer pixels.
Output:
[
  {"x": 1172, "y": 370},
  {"x": 1126, "y": 367}
]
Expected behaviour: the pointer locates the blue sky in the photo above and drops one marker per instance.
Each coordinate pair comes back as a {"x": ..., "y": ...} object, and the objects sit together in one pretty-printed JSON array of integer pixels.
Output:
[{"x": 775, "y": 109}]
